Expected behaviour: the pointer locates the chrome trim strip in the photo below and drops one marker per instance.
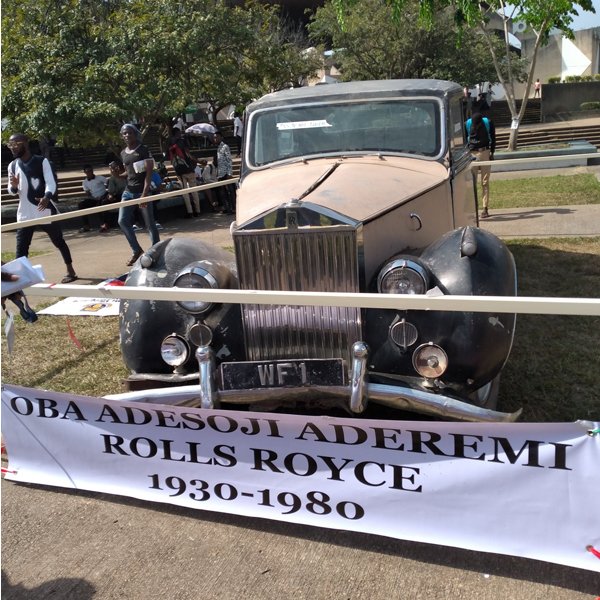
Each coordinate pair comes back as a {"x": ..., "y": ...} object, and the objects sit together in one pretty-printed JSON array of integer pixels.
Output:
[
  {"x": 208, "y": 386},
  {"x": 358, "y": 396},
  {"x": 398, "y": 397}
]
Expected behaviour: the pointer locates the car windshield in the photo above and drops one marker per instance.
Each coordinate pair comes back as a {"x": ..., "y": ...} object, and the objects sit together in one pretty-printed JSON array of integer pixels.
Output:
[{"x": 406, "y": 126}]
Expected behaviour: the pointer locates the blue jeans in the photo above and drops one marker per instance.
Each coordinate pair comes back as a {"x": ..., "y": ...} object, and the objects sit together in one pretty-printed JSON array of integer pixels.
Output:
[{"x": 126, "y": 222}]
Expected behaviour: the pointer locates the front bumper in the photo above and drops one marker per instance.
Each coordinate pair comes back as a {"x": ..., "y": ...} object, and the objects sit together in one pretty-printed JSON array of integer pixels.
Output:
[{"x": 354, "y": 396}]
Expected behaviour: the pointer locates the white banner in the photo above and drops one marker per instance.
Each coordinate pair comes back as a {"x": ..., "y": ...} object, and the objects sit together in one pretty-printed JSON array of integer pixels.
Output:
[{"x": 521, "y": 489}]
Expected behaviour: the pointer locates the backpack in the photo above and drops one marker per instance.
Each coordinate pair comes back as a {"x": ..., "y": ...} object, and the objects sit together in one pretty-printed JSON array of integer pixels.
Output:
[
  {"x": 481, "y": 138},
  {"x": 180, "y": 161}
]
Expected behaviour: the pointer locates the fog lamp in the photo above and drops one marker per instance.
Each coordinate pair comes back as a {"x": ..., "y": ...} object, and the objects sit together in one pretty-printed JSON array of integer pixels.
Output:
[
  {"x": 429, "y": 360},
  {"x": 402, "y": 276},
  {"x": 174, "y": 350}
]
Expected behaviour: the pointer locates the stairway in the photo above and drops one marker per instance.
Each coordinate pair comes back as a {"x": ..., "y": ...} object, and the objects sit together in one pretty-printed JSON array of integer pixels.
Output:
[{"x": 547, "y": 135}]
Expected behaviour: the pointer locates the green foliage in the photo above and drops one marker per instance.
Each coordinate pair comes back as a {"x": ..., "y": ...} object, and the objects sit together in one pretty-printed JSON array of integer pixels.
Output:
[
  {"x": 383, "y": 46},
  {"x": 77, "y": 69},
  {"x": 554, "y": 80},
  {"x": 590, "y": 106}
]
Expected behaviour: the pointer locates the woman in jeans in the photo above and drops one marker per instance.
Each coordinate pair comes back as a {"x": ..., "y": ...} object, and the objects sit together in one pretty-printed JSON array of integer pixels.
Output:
[{"x": 138, "y": 163}]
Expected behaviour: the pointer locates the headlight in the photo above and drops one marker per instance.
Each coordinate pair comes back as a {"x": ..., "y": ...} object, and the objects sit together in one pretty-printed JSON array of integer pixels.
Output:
[
  {"x": 402, "y": 277},
  {"x": 174, "y": 350},
  {"x": 198, "y": 276},
  {"x": 429, "y": 360}
]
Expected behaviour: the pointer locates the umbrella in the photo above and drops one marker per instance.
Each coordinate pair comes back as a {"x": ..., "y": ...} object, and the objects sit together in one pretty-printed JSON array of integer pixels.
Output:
[{"x": 201, "y": 129}]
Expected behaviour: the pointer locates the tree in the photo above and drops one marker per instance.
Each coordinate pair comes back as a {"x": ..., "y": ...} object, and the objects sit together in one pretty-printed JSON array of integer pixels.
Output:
[
  {"x": 77, "y": 69},
  {"x": 540, "y": 16},
  {"x": 382, "y": 47}
]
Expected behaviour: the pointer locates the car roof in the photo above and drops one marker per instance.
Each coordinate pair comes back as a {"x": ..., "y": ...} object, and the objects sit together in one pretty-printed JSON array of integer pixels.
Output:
[{"x": 357, "y": 90}]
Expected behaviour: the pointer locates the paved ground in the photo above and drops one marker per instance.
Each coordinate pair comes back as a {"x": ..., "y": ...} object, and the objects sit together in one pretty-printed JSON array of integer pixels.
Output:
[{"x": 78, "y": 545}]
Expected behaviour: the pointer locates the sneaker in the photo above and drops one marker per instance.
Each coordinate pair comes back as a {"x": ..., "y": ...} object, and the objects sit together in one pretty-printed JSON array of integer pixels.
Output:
[
  {"x": 104, "y": 228},
  {"x": 484, "y": 214},
  {"x": 159, "y": 226},
  {"x": 84, "y": 230},
  {"x": 138, "y": 228}
]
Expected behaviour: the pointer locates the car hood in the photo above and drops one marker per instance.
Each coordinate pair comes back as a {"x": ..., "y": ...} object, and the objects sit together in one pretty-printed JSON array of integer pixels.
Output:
[{"x": 359, "y": 187}]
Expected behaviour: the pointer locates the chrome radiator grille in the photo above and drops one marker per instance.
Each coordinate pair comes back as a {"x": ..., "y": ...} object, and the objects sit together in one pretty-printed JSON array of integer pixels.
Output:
[{"x": 324, "y": 260}]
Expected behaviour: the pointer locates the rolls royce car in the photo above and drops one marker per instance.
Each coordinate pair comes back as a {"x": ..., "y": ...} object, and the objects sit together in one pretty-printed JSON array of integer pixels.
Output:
[{"x": 361, "y": 187}]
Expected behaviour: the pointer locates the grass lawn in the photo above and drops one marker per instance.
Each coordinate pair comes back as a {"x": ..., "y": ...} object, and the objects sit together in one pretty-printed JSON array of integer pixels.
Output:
[
  {"x": 558, "y": 190},
  {"x": 552, "y": 372}
]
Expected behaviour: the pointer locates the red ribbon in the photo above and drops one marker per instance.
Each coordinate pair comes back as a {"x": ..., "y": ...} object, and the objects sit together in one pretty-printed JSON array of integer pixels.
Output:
[
  {"x": 72, "y": 335},
  {"x": 593, "y": 550}
]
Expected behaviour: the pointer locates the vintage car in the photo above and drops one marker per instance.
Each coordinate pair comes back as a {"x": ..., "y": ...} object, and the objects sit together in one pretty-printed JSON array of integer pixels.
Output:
[{"x": 352, "y": 187}]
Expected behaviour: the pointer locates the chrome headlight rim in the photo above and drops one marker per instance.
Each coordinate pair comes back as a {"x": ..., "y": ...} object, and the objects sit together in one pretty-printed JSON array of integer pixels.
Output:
[
  {"x": 196, "y": 307},
  {"x": 182, "y": 350},
  {"x": 402, "y": 264}
]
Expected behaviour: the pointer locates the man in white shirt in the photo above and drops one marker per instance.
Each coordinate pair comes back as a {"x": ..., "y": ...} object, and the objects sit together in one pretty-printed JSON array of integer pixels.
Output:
[
  {"x": 31, "y": 177},
  {"x": 94, "y": 187},
  {"x": 238, "y": 131}
]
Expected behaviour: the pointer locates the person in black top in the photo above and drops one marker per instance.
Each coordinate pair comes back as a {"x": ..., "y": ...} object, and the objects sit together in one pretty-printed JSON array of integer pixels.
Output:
[{"x": 138, "y": 164}]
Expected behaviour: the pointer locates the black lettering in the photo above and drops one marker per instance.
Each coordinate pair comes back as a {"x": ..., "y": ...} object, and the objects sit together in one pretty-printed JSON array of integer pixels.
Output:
[
  {"x": 335, "y": 470},
  {"x": 73, "y": 408},
  {"x": 165, "y": 418},
  {"x": 229, "y": 459},
  {"x": 400, "y": 477},
  {"x": 311, "y": 428},
  {"x": 107, "y": 410},
  {"x": 193, "y": 454},
  {"x": 132, "y": 411},
  {"x": 265, "y": 458},
  {"x": 231, "y": 424},
  {"x": 24, "y": 411},
  {"x": 47, "y": 408},
  {"x": 138, "y": 444},
  {"x": 460, "y": 445},
  {"x": 359, "y": 472},
  {"x": 417, "y": 438},
  {"x": 381, "y": 438},
  {"x": 310, "y": 468},
  {"x": 255, "y": 427},
  {"x": 166, "y": 451},
  {"x": 340, "y": 436},
  {"x": 194, "y": 420},
  {"x": 531, "y": 446},
  {"x": 560, "y": 456},
  {"x": 113, "y": 442}
]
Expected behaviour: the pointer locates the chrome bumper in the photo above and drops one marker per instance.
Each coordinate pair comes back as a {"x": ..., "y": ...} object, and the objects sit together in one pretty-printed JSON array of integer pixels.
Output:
[{"x": 354, "y": 396}]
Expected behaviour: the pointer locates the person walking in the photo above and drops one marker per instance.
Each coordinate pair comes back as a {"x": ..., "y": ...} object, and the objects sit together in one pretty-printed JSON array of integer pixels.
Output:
[
  {"x": 31, "y": 177},
  {"x": 138, "y": 163},
  {"x": 537, "y": 89},
  {"x": 224, "y": 166},
  {"x": 184, "y": 165},
  {"x": 481, "y": 136}
]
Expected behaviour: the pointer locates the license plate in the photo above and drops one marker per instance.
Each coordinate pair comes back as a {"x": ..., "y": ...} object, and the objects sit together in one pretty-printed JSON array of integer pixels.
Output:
[{"x": 282, "y": 373}]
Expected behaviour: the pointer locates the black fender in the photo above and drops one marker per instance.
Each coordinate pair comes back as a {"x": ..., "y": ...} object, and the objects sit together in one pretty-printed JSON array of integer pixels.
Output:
[
  {"x": 145, "y": 323},
  {"x": 468, "y": 262}
]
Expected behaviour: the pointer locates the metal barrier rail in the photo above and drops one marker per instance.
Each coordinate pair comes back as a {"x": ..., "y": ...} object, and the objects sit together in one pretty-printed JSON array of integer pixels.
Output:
[
  {"x": 493, "y": 304},
  {"x": 534, "y": 159},
  {"x": 99, "y": 209}
]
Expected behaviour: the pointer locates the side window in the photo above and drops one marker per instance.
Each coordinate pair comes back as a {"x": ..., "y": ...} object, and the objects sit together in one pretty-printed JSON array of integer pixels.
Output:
[{"x": 457, "y": 126}]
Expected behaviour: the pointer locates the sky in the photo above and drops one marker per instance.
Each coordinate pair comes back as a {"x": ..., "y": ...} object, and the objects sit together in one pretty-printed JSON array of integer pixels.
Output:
[{"x": 586, "y": 20}]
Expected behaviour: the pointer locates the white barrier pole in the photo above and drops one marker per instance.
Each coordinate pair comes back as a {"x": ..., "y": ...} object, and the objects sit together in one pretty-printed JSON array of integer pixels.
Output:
[{"x": 492, "y": 304}]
